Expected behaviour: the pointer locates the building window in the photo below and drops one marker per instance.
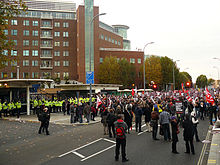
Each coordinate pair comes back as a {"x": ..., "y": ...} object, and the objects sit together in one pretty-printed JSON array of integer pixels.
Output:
[
  {"x": 56, "y": 63},
  {"x": 14, "y": 52},
  {"x": 34, "y": 42},
  {"x": 6, "y": 32},
  {"x": 25, "y": 75},
  {"x": 35, "y": 74},
  {"x": 116, "y": 42},
  {"x": 101, "y": 60},
  {"x": 119, "y": 43},
  {"x": 65, "y": 43},
  {"x": 56, "y": 24},
  {"x": 109, "y": 39},
  {"x": 35, "y": 23},
  {"x": 26, "y": 22},
  {"x": 132, "y": 60},
  {"x": 35, "y": 33},
  {"x": 5, "y": 63},
  {"x": 65, "y": 53},
  {"x": 14, "y": 32},
  {"x": 65, "y": 63},
  {"x": 113, "y": 41},
  {"x": 102, "y": 36},
  {"x": 65, "y": 34},
  {"x": 5, "y": 52},
  {"x": 34, "y": 63},
  {"x": 34, "y": 52},
  {"x": 56, "y": 43},
  {"x": 56, "y": 34},
  {"x": 15, "y": 42},
  {"x": 25, "y": 52},
  {"x": 139, "y": 60},
  {"x": 14, "y": 63},
  {"x": 57, "y": 53},
  {"x": 13, "y": 75},
  {"x": 14, "y": 22},
  {"x": 106, "y": 38},
  {"x": 26, "y": 33},
  {"x": 57, "y": 74},
  {"x": 25, "y": 42},
  {"x": 65, "y": 74},
  {"x": 65, "y": 24},
  {"x": 25, "y": 62}
]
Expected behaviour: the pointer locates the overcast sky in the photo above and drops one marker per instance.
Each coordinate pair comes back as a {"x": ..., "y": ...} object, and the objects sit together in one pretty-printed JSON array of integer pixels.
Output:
[{"x": 185, "y": 30}]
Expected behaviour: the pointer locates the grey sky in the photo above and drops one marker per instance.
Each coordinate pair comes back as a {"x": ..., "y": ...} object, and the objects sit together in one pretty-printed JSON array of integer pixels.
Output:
[{"x": 185, "y": 30}]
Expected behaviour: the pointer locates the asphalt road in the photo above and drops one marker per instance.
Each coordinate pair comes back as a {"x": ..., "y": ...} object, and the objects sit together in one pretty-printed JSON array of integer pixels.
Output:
[{"x": 21, "y": 144}]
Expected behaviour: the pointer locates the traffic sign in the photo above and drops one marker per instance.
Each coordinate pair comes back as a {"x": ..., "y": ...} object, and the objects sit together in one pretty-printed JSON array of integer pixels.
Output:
[{"x": 89, "y": 77}]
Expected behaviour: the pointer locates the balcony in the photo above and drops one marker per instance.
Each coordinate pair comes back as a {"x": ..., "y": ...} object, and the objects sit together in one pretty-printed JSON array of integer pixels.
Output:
[
  {"x": 46, "y": 56},
  {"x": 46, "y": 36},
  {"x": 46, "y": 16},
  {"x": 46, "y": 26},
  {"x": 46, "y": 66},
  {"x": 46, "y": 46}
]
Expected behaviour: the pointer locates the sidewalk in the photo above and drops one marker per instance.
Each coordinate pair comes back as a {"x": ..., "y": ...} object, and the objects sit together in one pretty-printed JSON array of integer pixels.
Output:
[
  {"x": 55, "y": 118},
  {"x": 214, "y": 153}
]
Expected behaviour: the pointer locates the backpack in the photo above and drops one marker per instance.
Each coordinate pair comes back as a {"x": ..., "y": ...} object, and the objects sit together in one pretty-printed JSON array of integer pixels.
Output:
[{"x": 120, "y": 132}]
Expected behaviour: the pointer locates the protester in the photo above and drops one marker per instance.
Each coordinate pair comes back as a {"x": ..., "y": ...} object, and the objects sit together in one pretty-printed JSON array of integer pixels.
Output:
[
  {"x": 44, "y": 118},
  {"x": 154, "y": 124},
  {"x": 195, "y": 122},
  {"x": 164, "y": 122},
  {"x": 175, "y": 132}
]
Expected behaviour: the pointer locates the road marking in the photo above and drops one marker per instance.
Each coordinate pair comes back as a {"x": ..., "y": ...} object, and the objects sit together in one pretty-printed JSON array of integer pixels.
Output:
[
  {"x": 98, "y": 153},
  {"x": 142, "y": 132},
  {"x": 203, "y": 149},
  {"x": 214, "y": 144},
  {"x": 79, "y": 148},
  {"x": 109, "y": 140},
  {"x": 78, "y": 154}
]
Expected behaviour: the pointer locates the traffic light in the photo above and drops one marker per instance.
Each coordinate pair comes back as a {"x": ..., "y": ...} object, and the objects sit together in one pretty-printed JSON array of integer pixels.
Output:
[
  {"x": 154, "y": 86},
  {"x": 133, "y": 85},
  {"x": 187, "y": 84}
]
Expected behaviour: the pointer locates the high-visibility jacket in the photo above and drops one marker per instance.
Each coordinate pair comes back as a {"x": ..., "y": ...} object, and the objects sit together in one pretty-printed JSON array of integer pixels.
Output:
[
  {"x": 13, "y": 105},
  {"x": 39, "y": 102},
  {"x": 0, "y": 106},
  {"x": 18, "y": 104},
  {"x": 35, "y": 103},
  {"x": 46, "y": 103},
  {"x": 9, "y": 106},
  {"x": 5, "y": 106}
]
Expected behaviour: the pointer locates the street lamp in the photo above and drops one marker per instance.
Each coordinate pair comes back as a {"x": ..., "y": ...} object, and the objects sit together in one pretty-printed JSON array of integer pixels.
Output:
[
  {"x": 90, "y": 58},
  {"x": 218, "y": 72},
  {"x": 144, "y": 64},
  {"x": 174, "y": 75}
]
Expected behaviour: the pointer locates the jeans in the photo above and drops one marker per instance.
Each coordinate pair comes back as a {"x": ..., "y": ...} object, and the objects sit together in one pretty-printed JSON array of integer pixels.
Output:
[
  {"x": 191, "y": 146},
  {"x": 166, "y": 130},
  {"x": 138, "y": 123},
  {"x": 155, "y": 128},
  {"x": 122, "y": 143}
]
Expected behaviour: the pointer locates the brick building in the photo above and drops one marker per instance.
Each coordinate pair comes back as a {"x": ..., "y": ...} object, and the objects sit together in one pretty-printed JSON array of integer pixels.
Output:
[{"x": 51, "y": 40}]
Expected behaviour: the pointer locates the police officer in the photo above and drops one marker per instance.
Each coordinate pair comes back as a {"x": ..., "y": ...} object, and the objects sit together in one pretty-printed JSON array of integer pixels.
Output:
[
  {"x": 18, "y": 107},
  {"x": 5, "y": 108},
  {"x": 1, "y": 108}
]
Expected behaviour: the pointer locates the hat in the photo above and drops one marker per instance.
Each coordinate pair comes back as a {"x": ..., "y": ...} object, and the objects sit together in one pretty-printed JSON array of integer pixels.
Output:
[{"x": 173, "y": 117}]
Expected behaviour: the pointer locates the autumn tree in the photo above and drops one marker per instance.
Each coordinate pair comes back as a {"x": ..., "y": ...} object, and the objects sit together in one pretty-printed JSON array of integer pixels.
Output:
[
  {"x": 8, "y": 10},
  {"x": 211, "y": 81},
  {"x": 153, "y": 70},
  {"x": 201, "y": 81}
]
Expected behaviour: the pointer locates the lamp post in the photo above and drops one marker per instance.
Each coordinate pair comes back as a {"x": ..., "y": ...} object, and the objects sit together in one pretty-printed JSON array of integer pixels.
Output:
[
  {"x": 144, "y": 64},
  {"x": 90, "y": 56},
  {"x": 218, "y": 73},
  {"x": 174, "y": 75}
]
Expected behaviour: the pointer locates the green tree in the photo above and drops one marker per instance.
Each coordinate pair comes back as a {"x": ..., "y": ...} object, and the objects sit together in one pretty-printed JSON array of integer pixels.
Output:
[
  {"x": 211, "y": 81},
  {"x": 201, "y": 81},
  {"x": 8, "y": 10},
  {"x": 153, "y": 70},
  {"x": 109, "y": 71},
  {"x": 126, "y": 73}
]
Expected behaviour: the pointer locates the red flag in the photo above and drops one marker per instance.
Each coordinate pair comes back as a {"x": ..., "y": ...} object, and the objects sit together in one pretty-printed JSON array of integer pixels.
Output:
[
  {"x": 99, "y": 102},
  {"x": 188, "y": 97},
  {"x": 132, "y": 93},
  {"x": 209, "y": 97}
]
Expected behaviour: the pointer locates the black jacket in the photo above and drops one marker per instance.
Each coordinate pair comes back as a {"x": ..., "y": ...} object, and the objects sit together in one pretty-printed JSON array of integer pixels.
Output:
[{"x": 188, "y": 130}]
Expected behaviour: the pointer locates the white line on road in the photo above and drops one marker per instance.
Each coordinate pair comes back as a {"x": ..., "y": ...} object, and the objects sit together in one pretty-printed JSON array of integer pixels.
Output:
[
  {"x": 79, "y": 148},
  {"x": 109, "y": 140},
  {"x": 142, "y": 132},
  {"x": 98, "y": 153},
  {"x": 78, "y": 154}
]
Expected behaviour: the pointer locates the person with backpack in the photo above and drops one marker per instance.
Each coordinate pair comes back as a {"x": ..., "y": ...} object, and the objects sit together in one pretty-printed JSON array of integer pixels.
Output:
[
  {"x": 195, "y": 122},
  {"x": 111, "y": 118},
  {"x": 154, "y": 124},
  {"x": 120, "y": 130},
  {"x": 128, "y": 116}
]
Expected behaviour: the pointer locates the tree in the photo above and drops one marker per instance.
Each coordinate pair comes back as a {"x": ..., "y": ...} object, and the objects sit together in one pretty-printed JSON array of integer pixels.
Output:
[
  {"x": 211, "y": 81},
  {"x": 9, "y": 9},
  {"x": 126, "y": 73},
  {"x": 109, "y": 71},
  {"x": 201, "y": 81},
  {"x": 153, "y": 70}
]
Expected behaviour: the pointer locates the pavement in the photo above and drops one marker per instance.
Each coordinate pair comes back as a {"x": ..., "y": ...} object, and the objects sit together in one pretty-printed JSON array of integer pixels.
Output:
[
  {"x": 214, "y": 153},
  {"x": 55, "y": 118}
]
